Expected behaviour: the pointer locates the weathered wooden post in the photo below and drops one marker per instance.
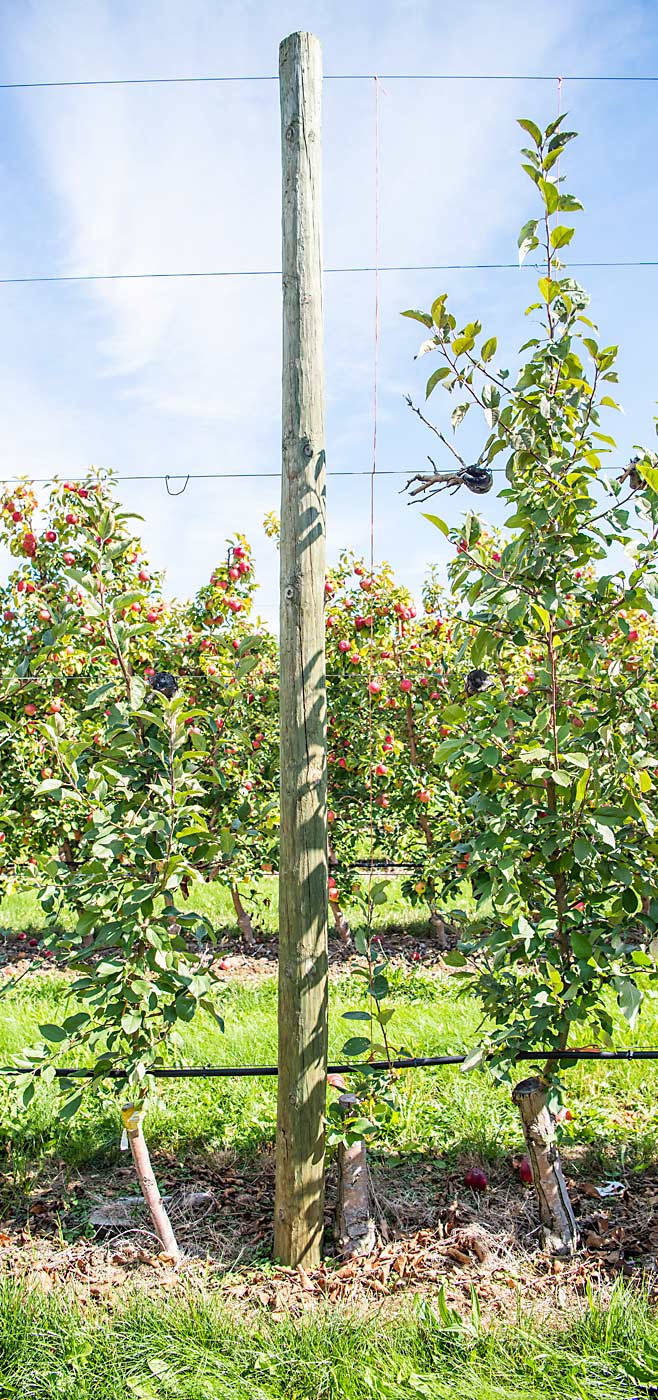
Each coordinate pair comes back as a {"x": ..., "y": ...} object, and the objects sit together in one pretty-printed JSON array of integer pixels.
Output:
[{"x": 302, "y": 1056}]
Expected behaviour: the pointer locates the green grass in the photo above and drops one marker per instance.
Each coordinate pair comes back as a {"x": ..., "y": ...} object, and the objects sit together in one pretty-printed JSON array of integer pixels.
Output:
[
  {"x": 191, "y": 1349},
  {"x": 442, "y": 1111},
  {"x": 23, "y": 912}
]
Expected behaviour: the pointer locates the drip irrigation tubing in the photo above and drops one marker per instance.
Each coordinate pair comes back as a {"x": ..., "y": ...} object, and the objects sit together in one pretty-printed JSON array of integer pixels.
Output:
[{"x": 261, "y": 1071}]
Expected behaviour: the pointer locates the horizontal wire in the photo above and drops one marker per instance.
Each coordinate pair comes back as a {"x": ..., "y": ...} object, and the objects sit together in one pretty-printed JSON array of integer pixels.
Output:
[
  {"x": 340, "y": 78},
  {"x": 417, "y": 1062},
  {"x": 276, "y": 271},
  {"x": 241, "y": 476}
]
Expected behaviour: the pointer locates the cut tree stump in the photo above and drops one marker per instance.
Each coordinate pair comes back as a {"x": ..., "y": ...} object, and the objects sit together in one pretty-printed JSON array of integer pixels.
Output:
[
  {"x": 355, "y": 1225},
  {"x": 559, "y": 1229}
]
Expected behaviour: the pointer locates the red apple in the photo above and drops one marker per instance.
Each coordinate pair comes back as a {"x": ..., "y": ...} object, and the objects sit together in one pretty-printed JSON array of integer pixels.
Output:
[
  {"x": 476, "y": 1179},
  {"x": 30, "y": 710}
]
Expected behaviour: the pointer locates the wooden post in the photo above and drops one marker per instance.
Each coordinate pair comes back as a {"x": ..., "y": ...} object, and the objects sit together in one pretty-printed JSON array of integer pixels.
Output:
[{"x": 302, "y": 1055}]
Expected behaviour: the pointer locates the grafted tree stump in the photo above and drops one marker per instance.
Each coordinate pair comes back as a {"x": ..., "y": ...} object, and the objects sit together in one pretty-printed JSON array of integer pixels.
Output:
[
  {"x": 355, "y": 1225},
  {"x": 244, "y": 919},
  {"x": 132, "y": 1122},
  {"x": 341, "y": 925},
  {"x": 559, "y": 1229},
  {"x": 437, "y": 929}
]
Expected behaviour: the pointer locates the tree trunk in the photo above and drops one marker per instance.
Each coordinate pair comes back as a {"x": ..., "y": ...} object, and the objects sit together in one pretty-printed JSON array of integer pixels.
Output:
[
  {"x": 132, "y": 1122},
  {"x": 437, "y": 928},
  {"x": 559, "y": 1230},
  {"x": 342, "y": 927},
  {"x": 355, "y": 1225},
  {"x": 244, "y": 919}
]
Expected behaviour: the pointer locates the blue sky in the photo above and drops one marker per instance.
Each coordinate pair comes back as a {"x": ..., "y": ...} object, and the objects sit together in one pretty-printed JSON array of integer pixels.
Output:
[{"x": 184, "y": 375}]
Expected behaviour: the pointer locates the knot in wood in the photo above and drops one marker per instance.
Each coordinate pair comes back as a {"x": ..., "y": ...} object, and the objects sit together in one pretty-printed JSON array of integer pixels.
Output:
[
  {"x": 308, "y": 450},
  {"x": 290, "y": 131}
]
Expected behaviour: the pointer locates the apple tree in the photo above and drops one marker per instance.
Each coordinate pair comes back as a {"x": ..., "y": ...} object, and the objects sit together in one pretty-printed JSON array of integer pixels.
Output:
[{"x": 552, "y": 742}]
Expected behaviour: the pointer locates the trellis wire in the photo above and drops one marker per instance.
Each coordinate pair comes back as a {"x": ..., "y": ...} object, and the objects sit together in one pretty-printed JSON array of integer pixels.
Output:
[
  {"x": 276, "y": 272},
  {"x": 336, "y": 78}
]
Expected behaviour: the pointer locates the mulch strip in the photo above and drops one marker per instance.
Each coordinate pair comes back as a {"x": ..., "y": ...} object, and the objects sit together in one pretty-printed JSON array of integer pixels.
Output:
[{"x": 433, "y": 1233}]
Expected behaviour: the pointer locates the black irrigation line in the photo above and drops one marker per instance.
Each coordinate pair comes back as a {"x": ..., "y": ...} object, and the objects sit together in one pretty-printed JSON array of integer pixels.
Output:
[{"x": 261, "y": 1071}]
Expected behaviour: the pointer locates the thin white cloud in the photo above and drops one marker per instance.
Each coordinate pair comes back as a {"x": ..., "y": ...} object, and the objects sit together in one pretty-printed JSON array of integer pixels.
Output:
[{"x": 178, "y": 376}]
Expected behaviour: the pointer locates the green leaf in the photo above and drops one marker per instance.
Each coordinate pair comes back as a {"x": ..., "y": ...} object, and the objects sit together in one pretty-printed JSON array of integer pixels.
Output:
[
  {"x": 442, "y": 373},
  {"x": 440, "y": 524},
  {"x": 131, "y": 1022},
  {"x": 581, "y": 945},
  {"x": 458, "y": 414},
  {"x": 137, "y": 692},
  {"x": 489, "y": 349},
  {"x": 56, "y": 1034},
  {"x": 550, "y": 195},
  {"x": 356, "y": 1045},
  {"x": 70, "y": 1107},
  {"x": 453, "y": 714},
  {"x": 438, "y": 310},
  {"x": 421, "y": 316},
  {"x": 649, "y": 473},
  {"x": 454, "y": 958},
  {"x": 561, "y": 778},
  {"x": 561, "y": 235},
  {"x": 629, "y": 998},
  {"x": 579, "y": 760},
  {"x": 531, "y": 128},
  {"x": 548, "y": 289},
  {"x": 528, "y": 239},
  {"x": 581, "y": 786},
  {"x": 543, "y": 615},
  {"x": 51, "y": 786}
]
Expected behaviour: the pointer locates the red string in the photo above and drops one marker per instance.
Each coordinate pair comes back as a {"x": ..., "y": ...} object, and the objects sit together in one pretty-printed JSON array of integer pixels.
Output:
[{"x": 372, "y": 491}]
